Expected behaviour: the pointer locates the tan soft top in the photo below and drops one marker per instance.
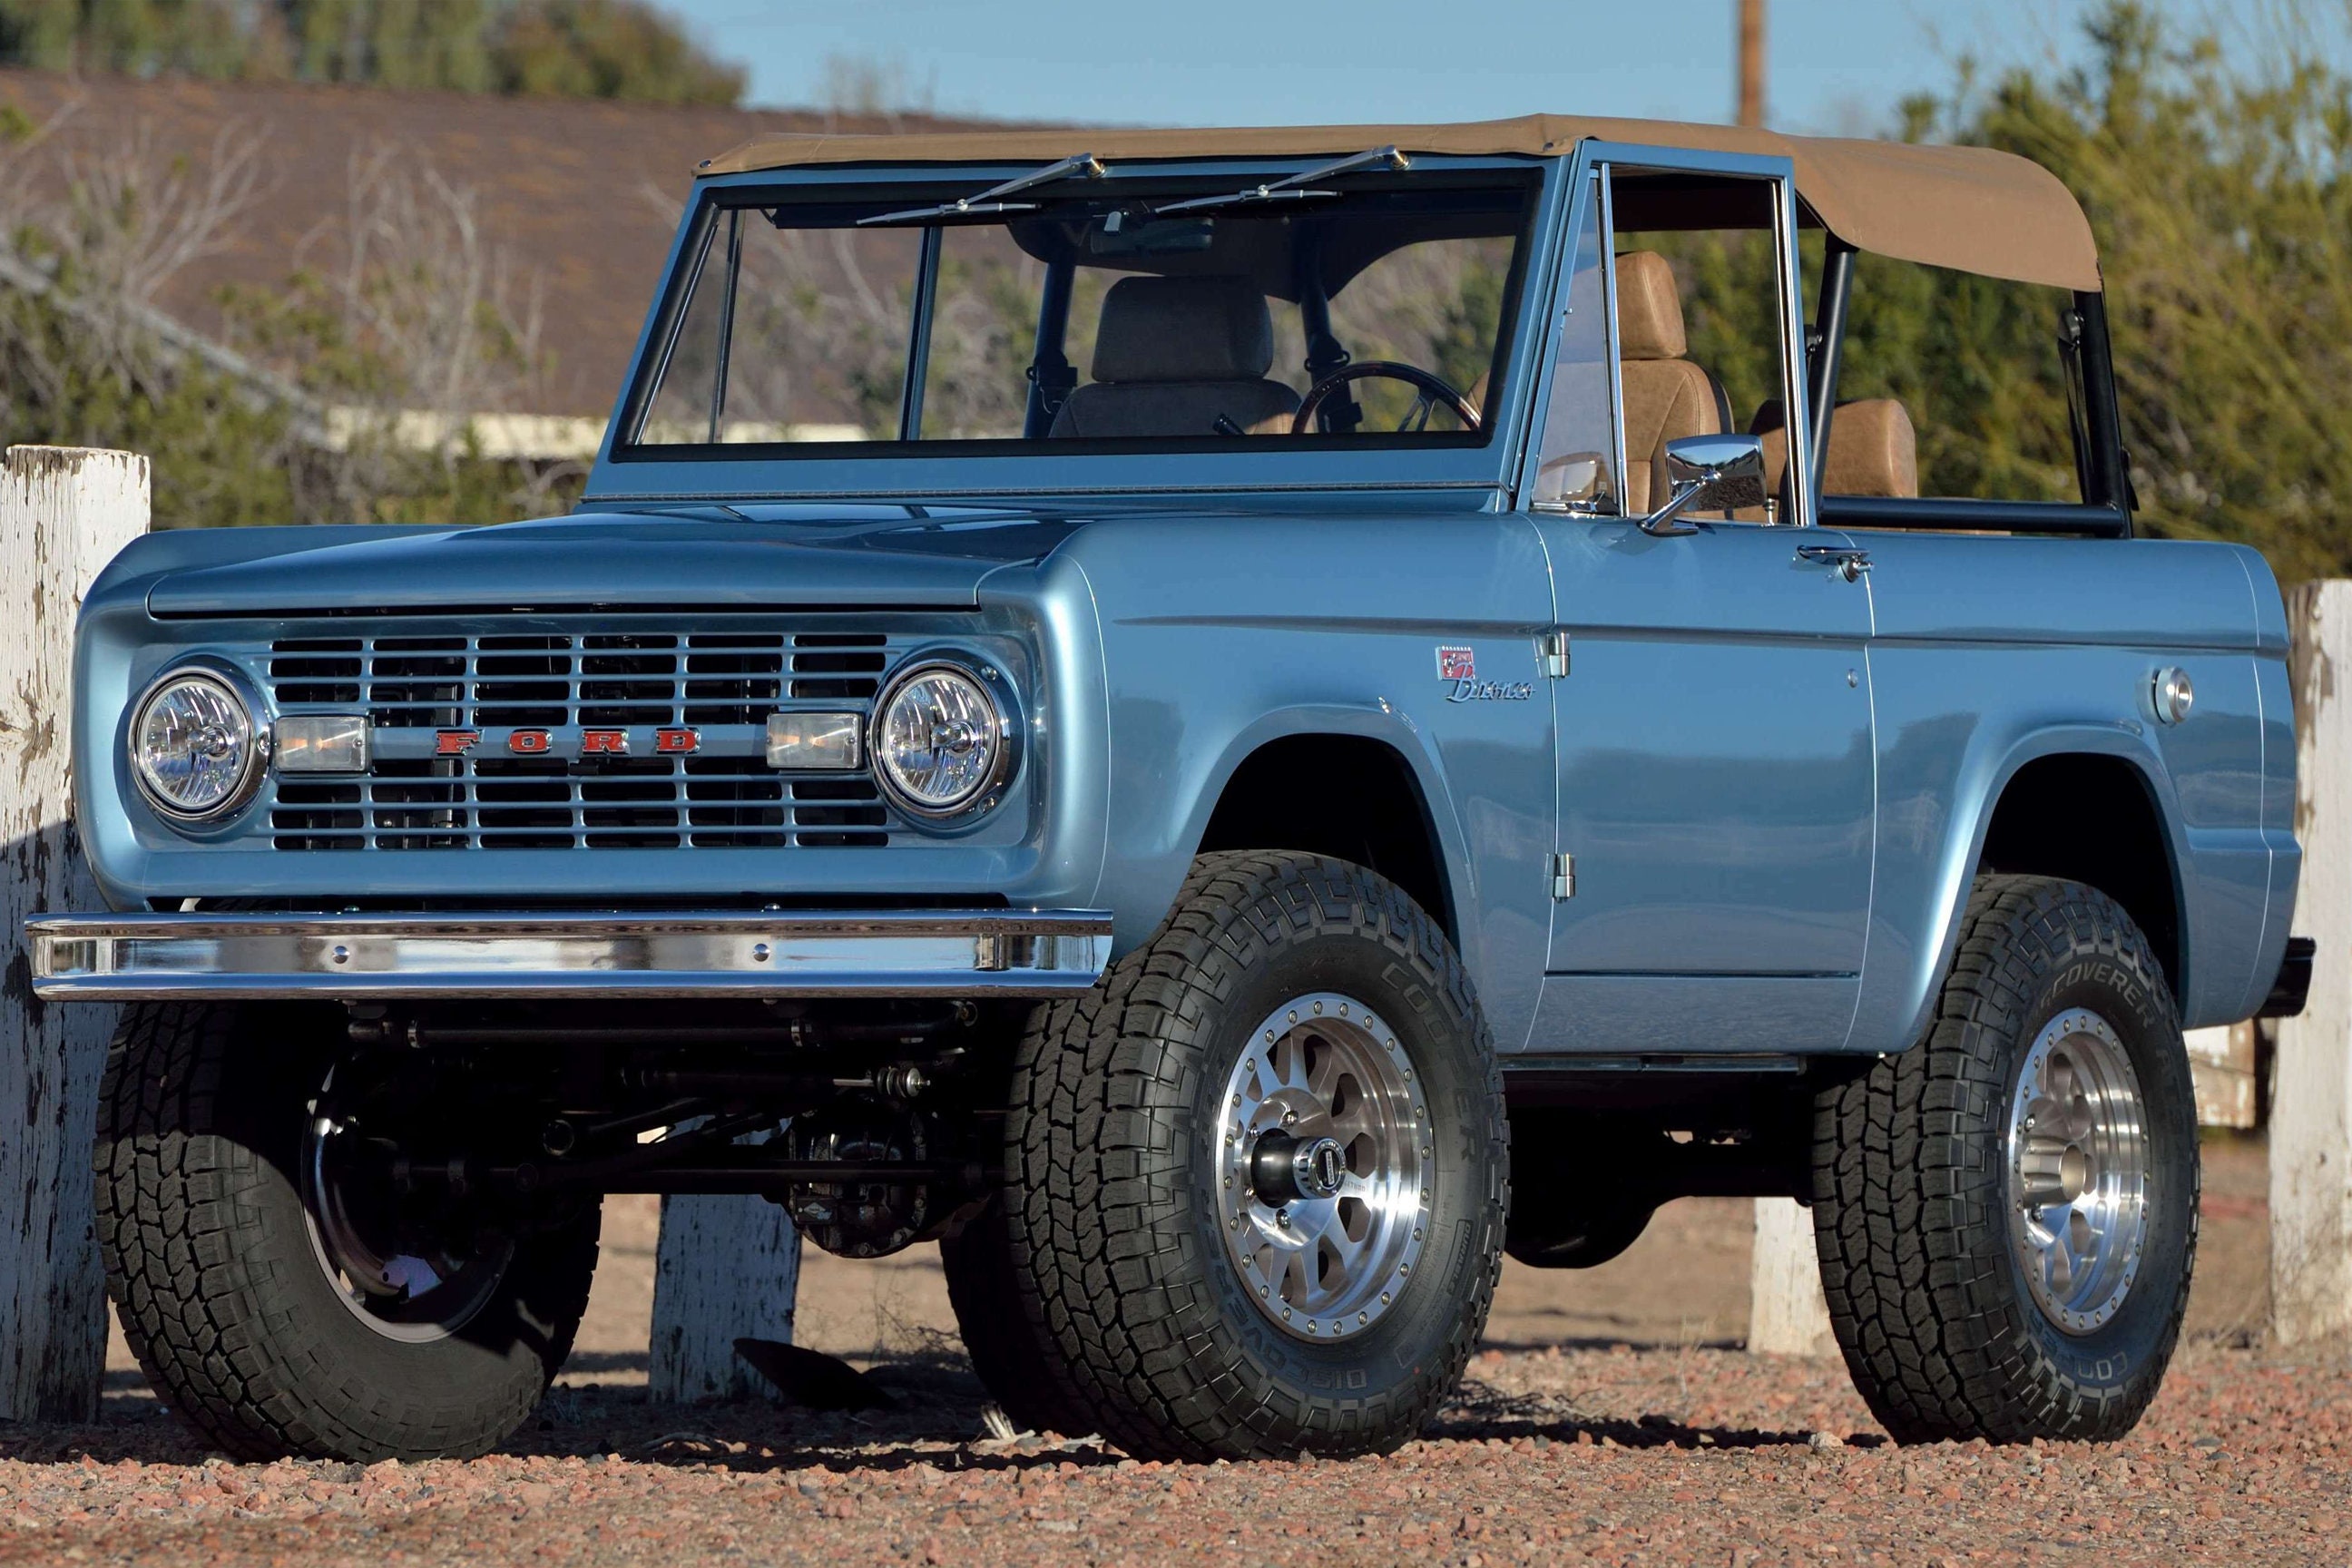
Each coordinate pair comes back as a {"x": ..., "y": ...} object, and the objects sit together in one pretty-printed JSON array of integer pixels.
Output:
[{"x": 1970, "y": 209}]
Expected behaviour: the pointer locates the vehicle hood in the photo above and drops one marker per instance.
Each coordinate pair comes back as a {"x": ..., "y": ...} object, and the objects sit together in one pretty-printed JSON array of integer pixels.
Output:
[{"x": 754, "y": 557}]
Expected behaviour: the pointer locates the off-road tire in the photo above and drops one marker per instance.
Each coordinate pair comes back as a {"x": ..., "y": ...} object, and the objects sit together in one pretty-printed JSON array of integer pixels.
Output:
[
  {"x": 1911, "y": 1210},
  {"x": 1113, "y": 1211},
  {"x": 1009, "y": 1351},
  {"x": 211, "y": 1267}
]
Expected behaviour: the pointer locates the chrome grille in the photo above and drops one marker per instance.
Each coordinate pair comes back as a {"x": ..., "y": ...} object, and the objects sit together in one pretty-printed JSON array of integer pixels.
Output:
[{"x": 721, "y": 684}]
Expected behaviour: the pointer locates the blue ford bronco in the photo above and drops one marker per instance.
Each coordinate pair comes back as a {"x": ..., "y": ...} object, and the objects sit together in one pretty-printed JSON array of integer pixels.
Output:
[{"x": 1233, "y": 726}]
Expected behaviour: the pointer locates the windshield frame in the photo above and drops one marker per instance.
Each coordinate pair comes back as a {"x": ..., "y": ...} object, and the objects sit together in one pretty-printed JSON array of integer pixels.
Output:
[{"x": 643, "y": 472}]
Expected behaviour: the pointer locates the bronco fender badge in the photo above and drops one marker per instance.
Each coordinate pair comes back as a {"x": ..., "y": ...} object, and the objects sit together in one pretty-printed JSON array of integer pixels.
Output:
[{"x": 1458, "y": 668}]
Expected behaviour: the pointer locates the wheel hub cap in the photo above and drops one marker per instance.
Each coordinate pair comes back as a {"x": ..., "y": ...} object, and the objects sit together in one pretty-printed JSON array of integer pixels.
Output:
[
  {"x": 2078, "y": 1172},
  {"x": 1323, "y": 1167}
]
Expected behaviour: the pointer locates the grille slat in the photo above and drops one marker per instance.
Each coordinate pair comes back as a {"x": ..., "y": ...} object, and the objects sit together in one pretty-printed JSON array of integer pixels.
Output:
[{"x": 638, "y": 681}]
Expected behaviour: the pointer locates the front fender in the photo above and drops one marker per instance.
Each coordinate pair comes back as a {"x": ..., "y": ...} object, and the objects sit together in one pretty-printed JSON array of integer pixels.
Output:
[{"x": 1148, "y": 875}]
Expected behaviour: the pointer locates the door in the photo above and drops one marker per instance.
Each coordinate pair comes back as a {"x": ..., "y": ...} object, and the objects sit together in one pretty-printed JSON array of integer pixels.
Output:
[{"x": 1716, "y": 780}]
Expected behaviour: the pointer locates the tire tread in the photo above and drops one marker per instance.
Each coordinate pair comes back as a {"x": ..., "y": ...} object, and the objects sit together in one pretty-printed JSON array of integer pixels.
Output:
[
  {"x": 1098, "y": 1166},
  {"x": 1908, "y": 1213},
  {"x": 179, "y": 1194}
]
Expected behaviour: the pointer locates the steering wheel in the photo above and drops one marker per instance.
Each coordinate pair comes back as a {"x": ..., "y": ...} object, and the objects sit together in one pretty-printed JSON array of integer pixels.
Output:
[{"x": 1432, "y": 391}]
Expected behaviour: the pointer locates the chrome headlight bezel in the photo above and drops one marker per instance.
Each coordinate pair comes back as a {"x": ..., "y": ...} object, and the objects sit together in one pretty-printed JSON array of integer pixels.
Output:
[
  {"x": 254, "y": 736},
  {"x": 1004, "y": 737}
]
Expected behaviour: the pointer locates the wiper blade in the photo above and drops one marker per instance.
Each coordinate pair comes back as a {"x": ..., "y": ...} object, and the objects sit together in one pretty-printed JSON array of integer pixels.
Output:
[
  {"x": 1293, "y": 189},
  {"x": 980, "y": 202}
]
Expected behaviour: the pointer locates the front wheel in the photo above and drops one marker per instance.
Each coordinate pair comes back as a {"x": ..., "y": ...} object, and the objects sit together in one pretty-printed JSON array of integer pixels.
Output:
[
  {"x": 278, "y": 1287},
  {"x": 2007, "y": 1212},
  {"x": 1257, "y": 1179},
  {"x": 1010, "y": 1353}
]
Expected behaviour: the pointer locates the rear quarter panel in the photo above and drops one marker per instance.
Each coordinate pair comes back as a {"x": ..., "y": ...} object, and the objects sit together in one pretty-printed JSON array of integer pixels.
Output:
[{"x": 1988, "y": 653}]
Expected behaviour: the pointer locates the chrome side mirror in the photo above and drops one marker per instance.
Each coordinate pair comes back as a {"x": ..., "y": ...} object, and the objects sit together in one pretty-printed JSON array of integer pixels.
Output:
[{"x": 1714, "y": 473}]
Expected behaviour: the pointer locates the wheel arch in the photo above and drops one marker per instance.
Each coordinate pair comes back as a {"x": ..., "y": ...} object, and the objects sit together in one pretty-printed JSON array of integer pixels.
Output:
[
  {"x": 2093, "y": 817},
  {"x": 2084, "y": 802},
  {"x": 1144, "y": 884},
  {"x": 1382, "y": 820}
]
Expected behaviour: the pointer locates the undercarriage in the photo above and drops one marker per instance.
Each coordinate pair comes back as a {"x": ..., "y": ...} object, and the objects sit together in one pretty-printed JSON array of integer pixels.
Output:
[{"x": 871, "y": 1122}]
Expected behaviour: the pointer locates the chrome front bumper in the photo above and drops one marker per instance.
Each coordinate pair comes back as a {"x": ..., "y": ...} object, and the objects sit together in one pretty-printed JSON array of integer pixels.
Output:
[{"x": 957, "y": 952}]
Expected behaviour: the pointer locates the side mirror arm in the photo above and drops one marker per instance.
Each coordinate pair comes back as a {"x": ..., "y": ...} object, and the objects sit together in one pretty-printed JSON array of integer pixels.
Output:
[
  {"x": 1665, "y": 523},
  {"x": 1710, "y": 470}
]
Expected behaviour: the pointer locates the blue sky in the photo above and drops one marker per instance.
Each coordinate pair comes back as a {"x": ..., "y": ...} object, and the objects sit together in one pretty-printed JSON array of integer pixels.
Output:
[{"x": 1834, "y": 65}]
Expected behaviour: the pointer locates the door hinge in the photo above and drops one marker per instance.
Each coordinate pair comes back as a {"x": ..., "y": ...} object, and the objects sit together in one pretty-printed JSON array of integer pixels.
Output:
[
  {"x": 1563, "y": 877},
  {"x": 1551, "y": 650}
]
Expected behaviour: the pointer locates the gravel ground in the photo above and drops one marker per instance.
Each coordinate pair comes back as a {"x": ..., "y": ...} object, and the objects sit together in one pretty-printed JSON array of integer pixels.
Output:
[
  {"x": 1702, "y": 1456},
  {"x": 1609, "y": 1420}
]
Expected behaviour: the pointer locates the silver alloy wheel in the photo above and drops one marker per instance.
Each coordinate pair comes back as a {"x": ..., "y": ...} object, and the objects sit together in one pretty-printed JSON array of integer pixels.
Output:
[
  {"x": 399, "y": 1286},
  {"x": 2078, "y": 1171},
  {"x": 1323, "y": 1167}
]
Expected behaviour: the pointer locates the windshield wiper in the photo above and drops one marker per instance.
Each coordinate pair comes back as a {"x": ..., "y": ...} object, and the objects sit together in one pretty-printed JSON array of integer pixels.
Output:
[
  {"x": 1079, "y": 164},
  {"x": 1294, "y": 188}
]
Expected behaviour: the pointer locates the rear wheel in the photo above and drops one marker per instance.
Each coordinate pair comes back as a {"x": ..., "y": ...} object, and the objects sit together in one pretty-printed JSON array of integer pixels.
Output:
[
  {"x": 2007, "y": 1212},
  {"x": 278, "y": 1287},
  {"x": 1258, "y": 1176}
]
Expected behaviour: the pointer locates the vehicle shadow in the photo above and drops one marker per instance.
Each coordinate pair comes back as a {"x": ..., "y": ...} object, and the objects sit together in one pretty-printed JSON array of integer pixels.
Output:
[{"x": 600, "y": 1411}]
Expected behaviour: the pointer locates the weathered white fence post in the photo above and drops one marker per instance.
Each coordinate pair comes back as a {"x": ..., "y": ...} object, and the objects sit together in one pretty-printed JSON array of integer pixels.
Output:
[
  {"x": 726, "y": 1266},
  {"x": 2311, "y": 1099},
  {"x": 1786, "y": 1313},
  {"x": 64, "y": 512}
]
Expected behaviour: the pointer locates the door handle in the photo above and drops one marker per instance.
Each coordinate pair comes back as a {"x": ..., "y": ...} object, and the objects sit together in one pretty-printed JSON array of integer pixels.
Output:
[{"x": 1851, "y": 563}]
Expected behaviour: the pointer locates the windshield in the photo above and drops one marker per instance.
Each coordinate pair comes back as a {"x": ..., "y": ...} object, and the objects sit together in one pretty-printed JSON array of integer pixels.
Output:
[{"x": 1089, "y": 313}]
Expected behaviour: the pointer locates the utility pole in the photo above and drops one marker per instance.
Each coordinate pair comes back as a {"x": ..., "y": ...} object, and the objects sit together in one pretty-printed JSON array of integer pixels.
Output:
[{"x": 1751, "y": 64}]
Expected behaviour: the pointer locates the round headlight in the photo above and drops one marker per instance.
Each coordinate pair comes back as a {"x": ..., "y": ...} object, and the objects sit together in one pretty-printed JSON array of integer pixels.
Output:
[
  {"x": 193, "y": 745},
  {"x": 942, "y": 740}
]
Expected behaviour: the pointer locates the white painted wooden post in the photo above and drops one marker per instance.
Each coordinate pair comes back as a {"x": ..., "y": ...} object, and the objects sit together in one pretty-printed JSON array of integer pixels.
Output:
[
  {"x": 1786, "y": 1313},
  {"x": 2311, "y": 1100},
  {"x": 2221, "y": 1070},
  {"x": 726, "y": 1266},
  {"x": 64, "y": 513}
]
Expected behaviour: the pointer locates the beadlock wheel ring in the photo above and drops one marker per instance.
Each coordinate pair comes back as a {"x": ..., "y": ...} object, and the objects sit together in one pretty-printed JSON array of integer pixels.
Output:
[
  {"x": 1323, "y": 1167},
  {"x": 2078, "y": 1162}
]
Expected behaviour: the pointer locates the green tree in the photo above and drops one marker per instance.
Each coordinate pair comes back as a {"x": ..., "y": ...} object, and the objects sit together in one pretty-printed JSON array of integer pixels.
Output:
[
  {"x": 570, "y": 48},
  {"x": 2219, "y": 191},
  {"x": 607, "y": 49},
  {"x": 2219, "y": 185}
]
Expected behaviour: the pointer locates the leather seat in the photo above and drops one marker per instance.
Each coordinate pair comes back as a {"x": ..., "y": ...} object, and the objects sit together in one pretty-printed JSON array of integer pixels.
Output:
[
  {"x": 1172, "y": 356},
  {"x": 1666, "y": 396},
  {"x": 1874, "y": 450}
]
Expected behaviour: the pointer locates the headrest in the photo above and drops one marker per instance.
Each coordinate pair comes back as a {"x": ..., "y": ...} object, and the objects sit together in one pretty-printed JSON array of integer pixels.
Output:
[
  {"x": 1183, "y": 329},
  {"x": 1874, "y": 450},
  {"x": 1649, "y": 307}
]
